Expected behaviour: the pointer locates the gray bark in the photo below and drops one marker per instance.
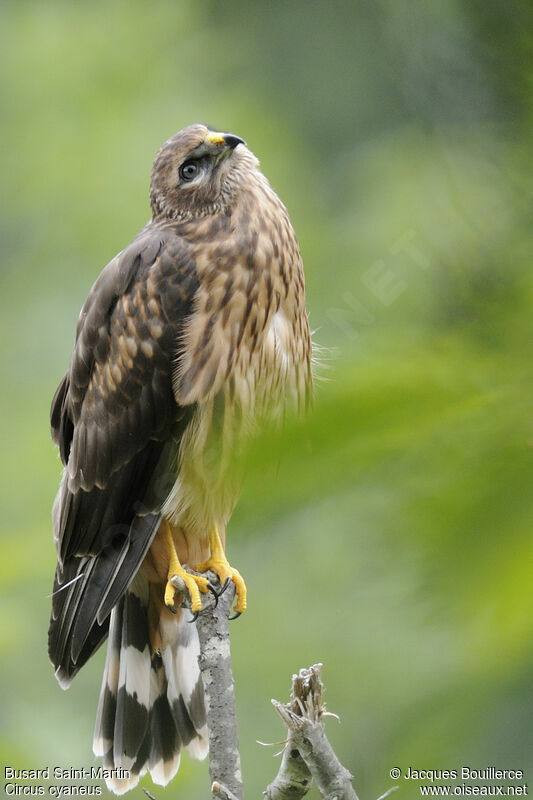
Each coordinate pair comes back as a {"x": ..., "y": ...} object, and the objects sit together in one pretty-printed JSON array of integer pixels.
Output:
[
  {"x": 221, "y": 792},
  {"x": 293, "y": 780},
  {"x": 307, "y": 755},
  {"x": 217, "y": 676},
  {"x": 303, "y": 717}
]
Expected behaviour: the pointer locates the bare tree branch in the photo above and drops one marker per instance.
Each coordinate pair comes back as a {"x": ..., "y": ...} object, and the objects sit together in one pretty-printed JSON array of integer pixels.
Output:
[
  {"x": 293, "y": 780},
  {"x": 307, "y": 755},
  {"x": 388, "y": 792},
  {"x": 221, "y": 792},
  {"x": 303, "y": 717},
  {"x": 217, "y": 676}
]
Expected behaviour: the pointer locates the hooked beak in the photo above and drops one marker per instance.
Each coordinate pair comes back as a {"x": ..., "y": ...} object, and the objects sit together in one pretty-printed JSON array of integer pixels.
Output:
[{"x": 227, "y": 141}]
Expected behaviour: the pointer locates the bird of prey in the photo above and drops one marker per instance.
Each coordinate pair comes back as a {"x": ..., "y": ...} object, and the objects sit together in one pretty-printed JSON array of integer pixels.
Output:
[{"x": 190, "y": 338}]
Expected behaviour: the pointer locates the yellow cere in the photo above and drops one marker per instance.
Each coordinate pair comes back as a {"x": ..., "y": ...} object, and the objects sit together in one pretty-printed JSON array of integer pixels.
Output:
[{"x": 215, "y": 138}]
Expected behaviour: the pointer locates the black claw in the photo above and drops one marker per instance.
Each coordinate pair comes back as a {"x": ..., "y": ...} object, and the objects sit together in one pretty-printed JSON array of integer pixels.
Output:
[
  {"x": 236, "y": 615},
  {"x": 194, "y": 617},
  {"x": 171, "y": 608},
  {"x": 214, "y": 592}
]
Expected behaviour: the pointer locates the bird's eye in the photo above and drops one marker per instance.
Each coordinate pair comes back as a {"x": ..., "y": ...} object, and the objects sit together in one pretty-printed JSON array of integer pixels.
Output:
[{"x": 189, "y": 170}]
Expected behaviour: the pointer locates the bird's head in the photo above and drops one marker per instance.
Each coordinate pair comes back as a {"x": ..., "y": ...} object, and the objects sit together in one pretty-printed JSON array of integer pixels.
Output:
[{"x": 198, "y": 172}]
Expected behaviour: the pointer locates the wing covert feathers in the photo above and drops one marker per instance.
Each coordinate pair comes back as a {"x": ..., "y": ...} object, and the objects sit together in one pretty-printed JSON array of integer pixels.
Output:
[{"x": 118, "y": 427}]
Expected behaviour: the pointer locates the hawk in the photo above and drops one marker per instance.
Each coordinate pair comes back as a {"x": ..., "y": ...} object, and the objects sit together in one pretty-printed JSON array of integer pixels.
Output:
[{"x": 190, "y": 338}]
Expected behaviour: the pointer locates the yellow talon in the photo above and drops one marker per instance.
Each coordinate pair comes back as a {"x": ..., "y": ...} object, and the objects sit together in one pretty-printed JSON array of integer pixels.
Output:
[
  {"x": 193, "y": 583},
  {"x": 219, "y": 564}
]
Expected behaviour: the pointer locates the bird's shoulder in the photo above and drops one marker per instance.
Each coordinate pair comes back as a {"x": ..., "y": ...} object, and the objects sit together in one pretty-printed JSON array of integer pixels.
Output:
[
  {"x": 157, "y": 252},
  {"x": 128, "y": 327}
]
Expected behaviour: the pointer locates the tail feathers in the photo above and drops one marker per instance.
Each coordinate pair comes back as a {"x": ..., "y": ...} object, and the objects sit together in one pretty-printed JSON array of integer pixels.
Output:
[
  {"x": 185, "y": 692},
  {"x": 150, "y": 705},
  {"x": 165, "y": 745}
]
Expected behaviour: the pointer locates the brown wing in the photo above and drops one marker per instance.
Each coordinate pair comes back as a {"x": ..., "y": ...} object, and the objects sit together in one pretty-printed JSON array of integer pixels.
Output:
[{"x": 117, "y": 425}]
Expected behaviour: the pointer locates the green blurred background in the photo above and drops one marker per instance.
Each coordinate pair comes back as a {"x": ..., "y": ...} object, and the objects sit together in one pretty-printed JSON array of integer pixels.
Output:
[{"x": 392, "y": 539}]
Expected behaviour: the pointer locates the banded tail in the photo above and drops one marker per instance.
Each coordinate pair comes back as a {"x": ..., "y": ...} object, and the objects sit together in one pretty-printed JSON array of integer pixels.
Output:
[{"x": 151, "y": 705}]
